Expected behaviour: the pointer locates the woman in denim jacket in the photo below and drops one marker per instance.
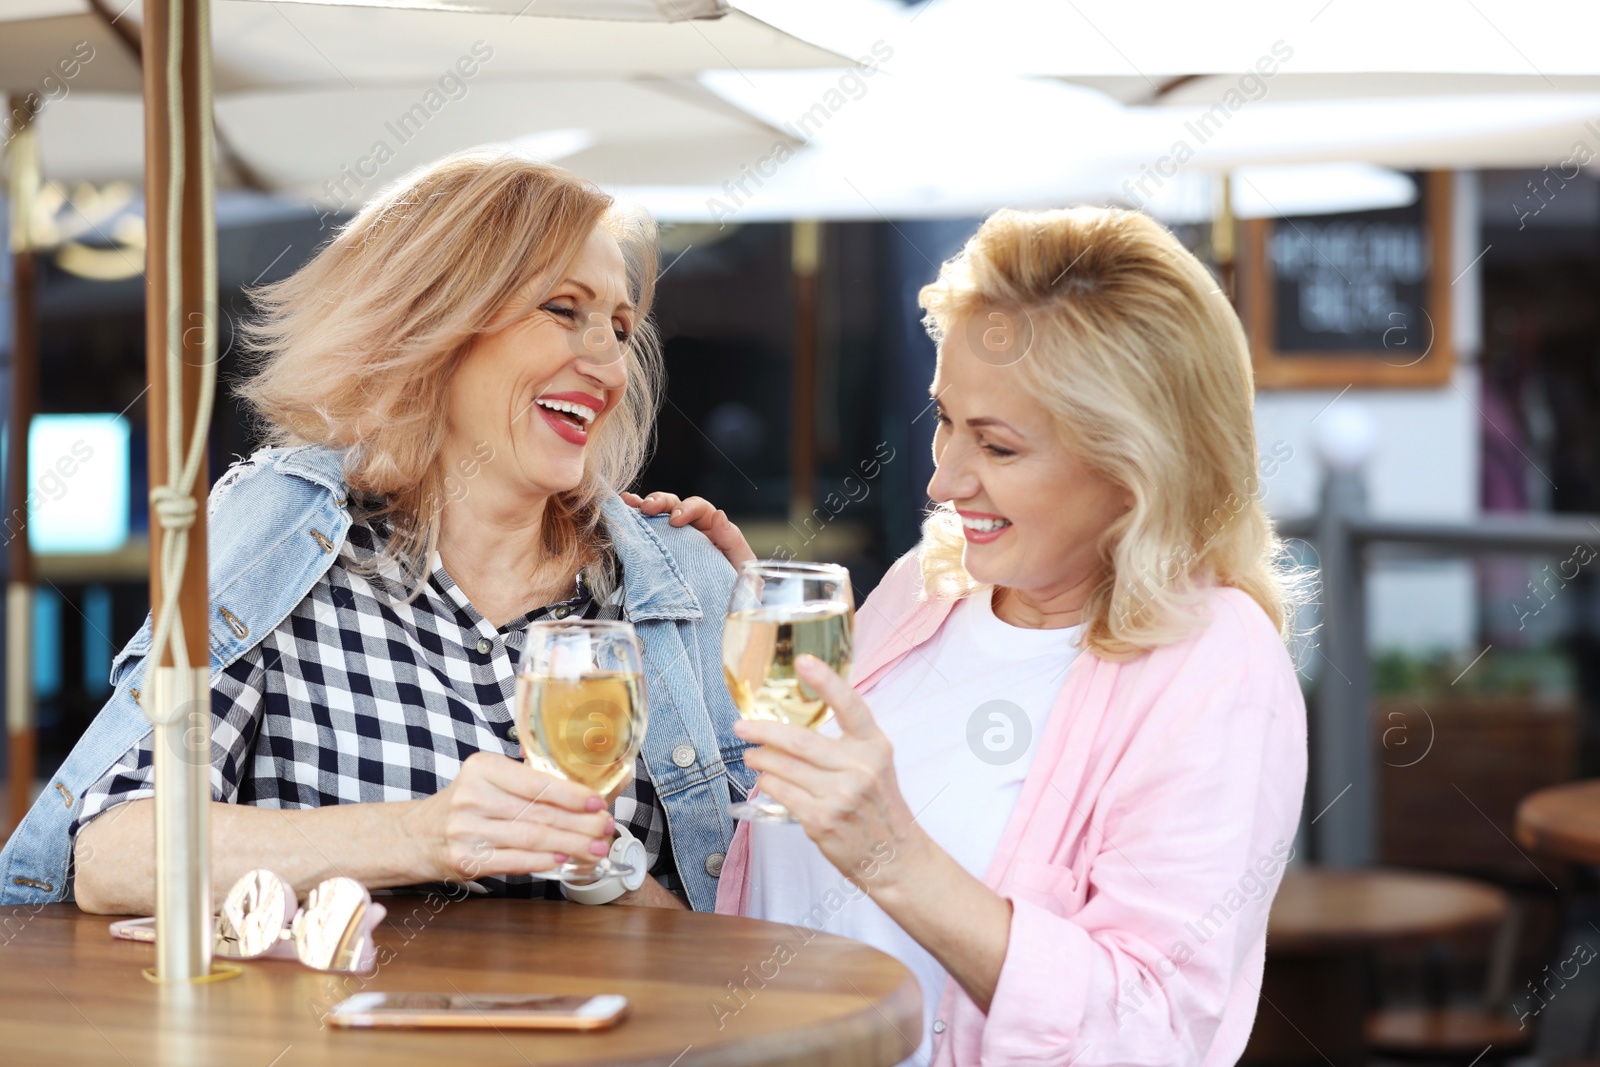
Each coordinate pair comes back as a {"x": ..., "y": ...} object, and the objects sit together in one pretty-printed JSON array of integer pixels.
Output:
[{"x": 455, "y": 387}]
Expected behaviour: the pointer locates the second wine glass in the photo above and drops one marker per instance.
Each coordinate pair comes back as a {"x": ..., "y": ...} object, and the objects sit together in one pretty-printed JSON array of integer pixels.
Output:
[
  {"x": 581, "y": 712},
  {"x": 781, "y": 610}
]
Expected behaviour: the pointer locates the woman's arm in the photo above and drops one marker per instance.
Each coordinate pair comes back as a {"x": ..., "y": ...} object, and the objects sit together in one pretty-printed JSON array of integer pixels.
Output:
[
  {"x": 651, "y": 895},
  {"x": 115, "y": 854},
  {"x": 498, "y": 817},
  {"x": 962, "y": 922},
  {"x": 1188, "y": 850}
]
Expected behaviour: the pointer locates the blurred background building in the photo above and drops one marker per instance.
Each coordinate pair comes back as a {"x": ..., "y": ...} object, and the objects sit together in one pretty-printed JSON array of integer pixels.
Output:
[{"x": 1403, "y": 201}]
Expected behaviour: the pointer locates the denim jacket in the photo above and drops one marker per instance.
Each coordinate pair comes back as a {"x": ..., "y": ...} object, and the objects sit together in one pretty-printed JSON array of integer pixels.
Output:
[{"x": 275, "y": 526}]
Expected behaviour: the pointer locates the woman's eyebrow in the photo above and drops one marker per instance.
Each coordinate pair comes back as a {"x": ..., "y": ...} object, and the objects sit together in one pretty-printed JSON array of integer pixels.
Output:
[
  {"x": 988, "y": 420},
  {"x": 588, "y": 291}
]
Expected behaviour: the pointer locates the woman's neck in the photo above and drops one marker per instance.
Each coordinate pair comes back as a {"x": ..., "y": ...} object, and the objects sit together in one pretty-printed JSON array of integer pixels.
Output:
[
  {"x": 1035, "y": 610},
  {"x": 494, "y": 552}
]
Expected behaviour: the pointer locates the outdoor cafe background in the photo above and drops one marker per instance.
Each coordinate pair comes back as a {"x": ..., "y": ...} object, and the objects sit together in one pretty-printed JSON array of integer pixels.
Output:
[{"x": 1430, "y": 324}]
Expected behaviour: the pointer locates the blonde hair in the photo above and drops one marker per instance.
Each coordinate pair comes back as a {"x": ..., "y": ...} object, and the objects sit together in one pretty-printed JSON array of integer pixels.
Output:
[
  {"x": 1141, "y": 359},
  {"x": 356, "y": 349}
]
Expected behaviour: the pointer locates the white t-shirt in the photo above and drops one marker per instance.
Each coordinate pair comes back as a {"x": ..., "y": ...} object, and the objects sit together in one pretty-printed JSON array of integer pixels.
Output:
[{"x": 964, "y": 712}]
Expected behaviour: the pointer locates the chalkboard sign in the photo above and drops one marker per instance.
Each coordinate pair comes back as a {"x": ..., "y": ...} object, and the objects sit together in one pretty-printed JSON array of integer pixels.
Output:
[{"x": 1357, "y": 298}]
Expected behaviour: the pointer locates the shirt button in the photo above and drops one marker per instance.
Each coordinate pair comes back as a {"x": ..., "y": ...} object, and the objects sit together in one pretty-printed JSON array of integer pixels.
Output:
[
  {"x": 512, "y": 735},
  {"x": 683, "y": 755},
  {"x": 561, "y": 612},
  {"x": 714, "y": 864},
  {"x": 938, "y": 1026},
  {"x": 484, "y": 645}
]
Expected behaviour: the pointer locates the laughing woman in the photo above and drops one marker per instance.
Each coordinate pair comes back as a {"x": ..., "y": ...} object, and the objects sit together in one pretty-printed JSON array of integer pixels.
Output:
[
  {"x": 456, "y": 385},
  {"x": 1065, "y": 783}
]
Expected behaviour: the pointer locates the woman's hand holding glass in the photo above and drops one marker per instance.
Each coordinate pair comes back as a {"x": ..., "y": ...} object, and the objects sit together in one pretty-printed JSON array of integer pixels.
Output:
[
  {"x": 842, "y": 790},
  {"x": 501, "y": 817},
  {"x": 780, "y": 611}
]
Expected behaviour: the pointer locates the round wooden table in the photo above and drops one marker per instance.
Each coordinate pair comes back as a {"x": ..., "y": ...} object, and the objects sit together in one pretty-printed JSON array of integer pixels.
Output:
[
  {"x": 1323, "y": 922},
  {"x": 1563, "y": 820},
  {"x": 705, "y": 989},
  {"x": 1318, "y": 911}
]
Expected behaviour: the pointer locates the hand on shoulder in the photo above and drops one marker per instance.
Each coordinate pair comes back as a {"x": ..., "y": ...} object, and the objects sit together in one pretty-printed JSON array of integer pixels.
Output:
[{"x": 702, "y": 515}]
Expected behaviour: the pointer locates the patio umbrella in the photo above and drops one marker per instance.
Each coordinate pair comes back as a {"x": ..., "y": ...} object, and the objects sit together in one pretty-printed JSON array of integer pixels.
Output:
[
  {"x": 297, "y": 67},
  {"x": 1033, "y": 103},
  {"x": 328, "y": 102}
]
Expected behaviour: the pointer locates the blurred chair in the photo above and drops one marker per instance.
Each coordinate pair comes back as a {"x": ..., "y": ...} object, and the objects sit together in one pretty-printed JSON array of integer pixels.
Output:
[
  {"x": 1445, "y": 1033},
  {"x": 1326, "y": 924}
]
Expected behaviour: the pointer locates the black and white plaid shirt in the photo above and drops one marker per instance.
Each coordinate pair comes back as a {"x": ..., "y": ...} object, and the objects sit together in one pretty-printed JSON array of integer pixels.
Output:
[{"x": 359, "y": 697}]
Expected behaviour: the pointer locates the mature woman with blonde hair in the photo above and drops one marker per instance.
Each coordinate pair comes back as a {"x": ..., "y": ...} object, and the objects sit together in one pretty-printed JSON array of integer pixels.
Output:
[
  {"x": 455, "y": 388},
  {"x": 1080, "y": 776}
]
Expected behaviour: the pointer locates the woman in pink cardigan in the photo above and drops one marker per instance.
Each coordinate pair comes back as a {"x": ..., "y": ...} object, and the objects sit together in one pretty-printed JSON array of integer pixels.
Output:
[{"x": 1066, "y": 775}]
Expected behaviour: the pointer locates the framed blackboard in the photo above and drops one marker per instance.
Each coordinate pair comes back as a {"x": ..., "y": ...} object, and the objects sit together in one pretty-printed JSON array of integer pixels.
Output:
[{"x": 1357, "y": 298}]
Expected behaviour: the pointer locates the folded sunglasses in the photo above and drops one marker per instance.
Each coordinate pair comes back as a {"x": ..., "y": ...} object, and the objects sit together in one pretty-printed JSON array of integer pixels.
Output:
[{"x": 262, "y": 919}]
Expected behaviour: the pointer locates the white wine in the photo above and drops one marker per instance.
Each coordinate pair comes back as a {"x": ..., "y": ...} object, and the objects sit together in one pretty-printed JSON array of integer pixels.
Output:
[
  {"x": 759, "y": 647},
  {"x": 582, "y": 728}
]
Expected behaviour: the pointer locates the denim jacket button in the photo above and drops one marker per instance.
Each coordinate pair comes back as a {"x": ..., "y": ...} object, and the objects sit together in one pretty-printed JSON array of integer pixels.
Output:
[
  {"x": 683, "y": 755},
  {"x": 484, "y": 645},
  {"x": 714, "y": 864}
]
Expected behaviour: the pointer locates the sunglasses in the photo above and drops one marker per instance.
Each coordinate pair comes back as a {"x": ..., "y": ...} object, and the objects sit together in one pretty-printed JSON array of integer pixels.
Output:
[{"x": 262, "y": 919}]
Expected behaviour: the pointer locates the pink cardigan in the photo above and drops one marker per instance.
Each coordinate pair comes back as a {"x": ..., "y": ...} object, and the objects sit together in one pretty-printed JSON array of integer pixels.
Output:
[{"x": 1143, "y": 852}]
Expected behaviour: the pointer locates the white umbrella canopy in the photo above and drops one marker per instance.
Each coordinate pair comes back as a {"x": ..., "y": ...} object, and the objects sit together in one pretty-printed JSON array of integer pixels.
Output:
[
  {"x": 329, "y": 102},
  {"x": 1161, "y": 40},
  {"x": 989, "y": 103}
]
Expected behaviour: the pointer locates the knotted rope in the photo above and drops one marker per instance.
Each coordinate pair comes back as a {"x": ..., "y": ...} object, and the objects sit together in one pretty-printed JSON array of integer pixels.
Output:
[{"x": 173, "y": 505}]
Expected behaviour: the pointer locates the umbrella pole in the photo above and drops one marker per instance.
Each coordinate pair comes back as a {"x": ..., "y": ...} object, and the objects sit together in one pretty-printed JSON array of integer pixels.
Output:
[
  {"x": 805, "y": 258},
  {"x": 22, "y": 161},
  {"x": 181, "y": 357},
  {"x": 1223, "y": 244}
]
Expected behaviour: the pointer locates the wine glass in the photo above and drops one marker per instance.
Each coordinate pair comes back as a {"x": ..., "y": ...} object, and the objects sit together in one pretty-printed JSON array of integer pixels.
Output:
[
  {"x": 781, "y": 610},
  {"x": 581, "y": 713}
]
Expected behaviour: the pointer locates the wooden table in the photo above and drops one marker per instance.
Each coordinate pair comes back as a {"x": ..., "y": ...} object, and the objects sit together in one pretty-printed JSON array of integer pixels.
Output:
[
  {"x": 1318, "y": 911},
  {"x": 1563, "y": 820},
  {"x": 70, "y": 994},
  {"x": 1323, "y": 922}
]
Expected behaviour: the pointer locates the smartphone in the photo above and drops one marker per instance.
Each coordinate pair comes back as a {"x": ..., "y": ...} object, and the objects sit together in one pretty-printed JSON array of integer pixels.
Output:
[{"x": 527, "y": 1011}]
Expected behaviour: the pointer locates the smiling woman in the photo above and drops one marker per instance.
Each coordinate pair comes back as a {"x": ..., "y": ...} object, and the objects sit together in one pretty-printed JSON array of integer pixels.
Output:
[
  {"x": 1071, "y": 721},
  {"x": 423, "y": 329},
  {"x": 454, "y": 389}
]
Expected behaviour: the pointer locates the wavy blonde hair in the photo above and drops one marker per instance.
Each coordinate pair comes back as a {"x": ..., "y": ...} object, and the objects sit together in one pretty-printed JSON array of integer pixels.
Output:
[
  {"x": 1143, "y": 363},
  {"x": 355, "y": 350}
]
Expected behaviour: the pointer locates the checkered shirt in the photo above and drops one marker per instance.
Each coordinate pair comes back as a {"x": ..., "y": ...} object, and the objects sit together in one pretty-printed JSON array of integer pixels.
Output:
[{"x": 359, "y": 697}]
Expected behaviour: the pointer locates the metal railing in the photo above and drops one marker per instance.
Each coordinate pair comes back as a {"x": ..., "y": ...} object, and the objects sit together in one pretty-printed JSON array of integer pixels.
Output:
[{"x": 1342, "y": 751}]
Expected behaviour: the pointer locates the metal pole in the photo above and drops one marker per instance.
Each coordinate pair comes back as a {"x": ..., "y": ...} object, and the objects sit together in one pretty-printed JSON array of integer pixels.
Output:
[
  {"x": 805, "y": 258},
  {"x": 1223, "y": 239},
  {"x": 1343, "y": 782},
  {"x": 180, "y": 352},
  {"x": 22, "y": 159}
]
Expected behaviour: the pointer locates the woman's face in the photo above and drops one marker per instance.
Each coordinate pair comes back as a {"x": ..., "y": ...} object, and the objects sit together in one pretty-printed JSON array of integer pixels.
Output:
[
  {"x": 1031, "y": 511},
  {"x": 528, "y": 397}
]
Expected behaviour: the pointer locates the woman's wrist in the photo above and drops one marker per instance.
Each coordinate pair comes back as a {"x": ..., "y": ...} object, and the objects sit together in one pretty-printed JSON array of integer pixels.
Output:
[
  {"x": 420, "y": 852},
  {"x": 909, "y": 868}
]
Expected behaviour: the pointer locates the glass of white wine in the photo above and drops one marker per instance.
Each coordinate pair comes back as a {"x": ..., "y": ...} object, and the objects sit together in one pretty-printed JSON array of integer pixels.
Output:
[
  {"x": 781, "y": 610},
  {"x": 581, "y": 712}
]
